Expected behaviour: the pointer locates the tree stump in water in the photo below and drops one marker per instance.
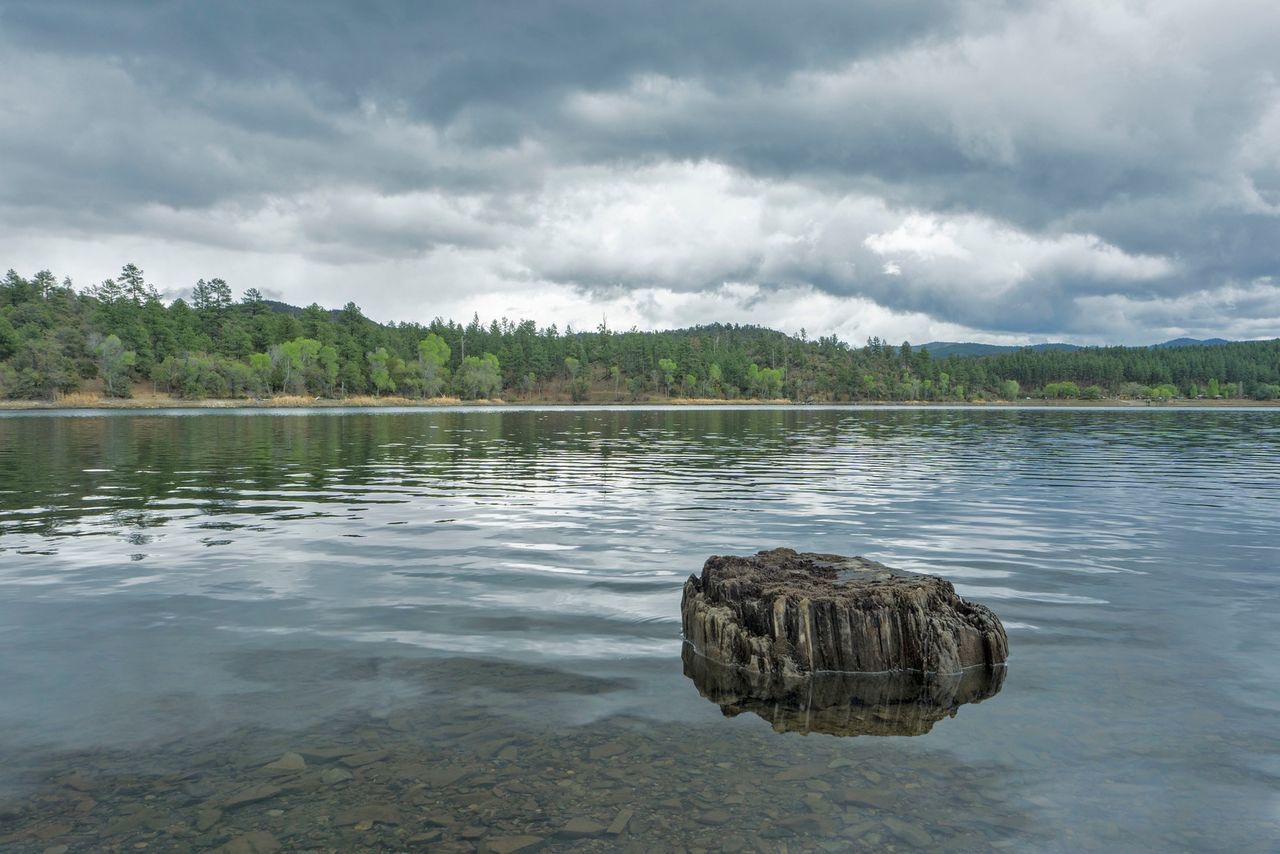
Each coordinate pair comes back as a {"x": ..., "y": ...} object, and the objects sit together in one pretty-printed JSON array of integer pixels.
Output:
[{"x": 786, "y": 614}]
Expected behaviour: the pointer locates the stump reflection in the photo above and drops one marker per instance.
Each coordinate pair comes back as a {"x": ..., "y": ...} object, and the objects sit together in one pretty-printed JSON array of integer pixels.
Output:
[{"x": 897, "y": 703}]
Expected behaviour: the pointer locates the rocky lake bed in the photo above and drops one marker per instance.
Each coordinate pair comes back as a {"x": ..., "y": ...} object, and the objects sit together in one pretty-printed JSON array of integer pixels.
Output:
[{"x": 435, "y": 779}]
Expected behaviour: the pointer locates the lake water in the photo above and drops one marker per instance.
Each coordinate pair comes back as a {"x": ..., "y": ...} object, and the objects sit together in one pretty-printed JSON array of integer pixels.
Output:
[{"x": 464, "y": 627}]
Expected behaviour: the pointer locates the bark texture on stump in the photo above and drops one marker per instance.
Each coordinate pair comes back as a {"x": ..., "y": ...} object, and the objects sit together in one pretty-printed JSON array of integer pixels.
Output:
[{"x": 786, "y": 614}]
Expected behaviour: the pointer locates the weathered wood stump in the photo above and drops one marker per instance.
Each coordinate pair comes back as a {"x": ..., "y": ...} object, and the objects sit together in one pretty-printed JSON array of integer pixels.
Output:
[{"x": 785, "y": 614}]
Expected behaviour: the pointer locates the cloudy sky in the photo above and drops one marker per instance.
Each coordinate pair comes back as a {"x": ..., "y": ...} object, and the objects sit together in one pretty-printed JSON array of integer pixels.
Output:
[{"x": 998, "y": 171}]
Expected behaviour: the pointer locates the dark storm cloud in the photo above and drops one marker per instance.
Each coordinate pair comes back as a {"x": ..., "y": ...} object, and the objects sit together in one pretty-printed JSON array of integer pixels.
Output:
[
  {"x": 1012, "y": 168},
  {"x": 266, "y": 83},
  {"x": 444, "y": 58}
]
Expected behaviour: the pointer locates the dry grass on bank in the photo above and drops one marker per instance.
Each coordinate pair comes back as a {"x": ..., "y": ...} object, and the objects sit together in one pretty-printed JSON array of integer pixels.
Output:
[
  {"x": 148, "y": 399},
  {"x": 720, "y": 401},
  {"x": 79, "y": 398},
  {"x": 362, "y": 400},
  {"x": 392, "y": 400}
]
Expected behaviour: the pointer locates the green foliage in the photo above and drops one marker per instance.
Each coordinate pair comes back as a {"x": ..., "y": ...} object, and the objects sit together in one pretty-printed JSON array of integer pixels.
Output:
[
  {"x": 1059, "y": 391},
  {"x": 380, "y": 371},
  {"x": 714, "y": 378},
  {"x": 260, "y": 372},
  {"x": 1092, "y": 392},
  {"x": 9, "y": 386},
  {"x": 433, "y": 355},
  {"x": 43, "y": 369},
  {"x": 764, "y": 383},
  {"x": 1132, "y": 390},
  {"x": 8, "y": 337},
  {"x": 211, "y": 299},
  {"x": 199, "y": 375},
  {"x": 114, "y": 362},
  {"x": 302, "y": 365},
  {"x": 668, "y": 369},
  {"x": 479, "y": 377},
  {"x": 434, "y": 350},
  {"x": 1010, "y": 389}
]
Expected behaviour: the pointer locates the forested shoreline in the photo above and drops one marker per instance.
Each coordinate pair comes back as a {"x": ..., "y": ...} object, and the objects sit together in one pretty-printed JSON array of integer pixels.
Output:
[{"x": 118, "y": 336}]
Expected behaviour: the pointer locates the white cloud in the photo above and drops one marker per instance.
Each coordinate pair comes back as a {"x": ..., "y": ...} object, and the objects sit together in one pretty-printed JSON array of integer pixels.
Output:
[
  {"x": 681, "y": 225},
  {"x": 975, "y": 251},
  {"x": 921, "y": 236},
  {"x": 661, "y": 245}
]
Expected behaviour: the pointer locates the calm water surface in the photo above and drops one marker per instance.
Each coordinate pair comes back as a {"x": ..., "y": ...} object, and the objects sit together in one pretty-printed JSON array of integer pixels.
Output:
[{"x": 464, "y": 627}]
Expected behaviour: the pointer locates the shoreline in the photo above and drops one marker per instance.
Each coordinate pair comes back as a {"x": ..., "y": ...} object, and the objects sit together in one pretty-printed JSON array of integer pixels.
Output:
[{"x": 158, "y": 403}]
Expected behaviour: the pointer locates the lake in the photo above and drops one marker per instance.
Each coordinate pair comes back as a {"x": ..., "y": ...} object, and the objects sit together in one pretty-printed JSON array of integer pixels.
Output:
[{"x": 459, "y": 628}]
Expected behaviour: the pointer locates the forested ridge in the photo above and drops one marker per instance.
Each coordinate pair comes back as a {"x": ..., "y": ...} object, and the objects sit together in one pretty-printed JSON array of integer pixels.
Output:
[{"x": 120, "y": 335}]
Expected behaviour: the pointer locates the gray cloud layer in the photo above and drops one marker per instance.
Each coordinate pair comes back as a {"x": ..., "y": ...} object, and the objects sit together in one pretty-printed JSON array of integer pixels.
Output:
[{"x": 1008, "y": 171}]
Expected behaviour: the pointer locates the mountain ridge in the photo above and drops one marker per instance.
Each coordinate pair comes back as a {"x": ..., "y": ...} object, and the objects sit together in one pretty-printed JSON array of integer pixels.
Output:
[
  {"x": 942, "y": 349},
  {"x": 937, "y": 349}
]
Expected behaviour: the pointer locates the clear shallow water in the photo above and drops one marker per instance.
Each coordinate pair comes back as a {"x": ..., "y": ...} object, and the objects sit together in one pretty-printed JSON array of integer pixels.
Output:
[{"x": 489, "y": 599}]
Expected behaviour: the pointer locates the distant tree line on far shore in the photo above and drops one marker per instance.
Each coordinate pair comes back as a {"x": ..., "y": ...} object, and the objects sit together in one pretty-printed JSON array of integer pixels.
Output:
[{"x": 56, "y": 339}]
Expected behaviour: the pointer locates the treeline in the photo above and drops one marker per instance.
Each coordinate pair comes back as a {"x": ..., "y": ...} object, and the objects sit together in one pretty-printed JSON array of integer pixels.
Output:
[{"x": 56, "y": 339}]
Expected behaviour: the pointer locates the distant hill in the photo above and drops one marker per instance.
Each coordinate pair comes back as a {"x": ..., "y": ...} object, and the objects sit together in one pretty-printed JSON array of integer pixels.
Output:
[
  {"x": 937, "y": 349},
  {"x": 285, "y": 308},
  {"x": 1193, "y": 342},
  {"x": 943, "y": 349},
  {"x": 282, "y": 307}
]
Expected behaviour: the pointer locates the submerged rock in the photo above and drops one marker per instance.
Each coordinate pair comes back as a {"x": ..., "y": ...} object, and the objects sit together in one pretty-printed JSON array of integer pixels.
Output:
[
  {"x": 580, "y": 828},
  {"x": 510, "y": 844},
  {"x": 334, "y": 776},
  {"x": 254, "y": 842},
  {"x": 287, "y": 764},
  {"x": 370, "y": 814},
  {"x": 783, "y": 614},
  {"x": 251, "y": 795}
]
